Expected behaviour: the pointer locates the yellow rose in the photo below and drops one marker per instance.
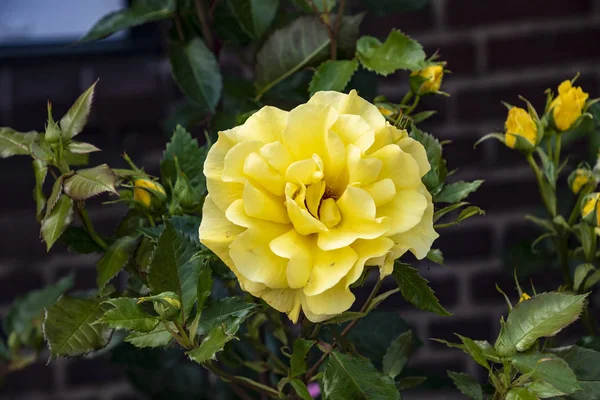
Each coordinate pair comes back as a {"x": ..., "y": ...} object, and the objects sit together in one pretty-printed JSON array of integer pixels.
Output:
[
  {"x": 144, "y": 189},
  {"x": 568, "y": 105},
  {"x": 429, "y": 79},
  {"x": 579, "y": 178},
  {"x": 301, "y": 202},
  {"x": 519, "y": 123},
  {"x": 590, "y": 207}
]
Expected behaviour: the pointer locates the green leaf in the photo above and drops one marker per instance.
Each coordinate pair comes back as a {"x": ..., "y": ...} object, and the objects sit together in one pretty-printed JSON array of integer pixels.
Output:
[
  {"x": 387, "y": 7},
  {"x": 213, "y": 343},
  {"x": 171, "y": 269},
  {"x": 127, "y": 314},
  {"x": 397, "y": 354},
  {"x": 590, "y": 342},
  {"x": 196, "y": 71},
  {"x": 543, "y": 390},
  {"x": 549, "y": 368},
  {"x": 57, "y": 220},
  {"x": 469, "y": 212},
  {"x": 190, "y": 157},
  {"x": 457, "y": 191},
  {"x": 333, "y": 75},
  {"x": 40, "y": 170},
  {"x": 81, "y": 148},
  {"x": 422, "y": 116},
  {"x": 230, "y": 311},
  {"x": 410, "y": 382},
  {"x": 287, "y": 50},
  {"x": 441, "y": 212},
  {"x": 90, "y": 182},
  {"x": 13, "y": 143},
  {"x": 74, "y": 120},
  {"x": 542, "y": 316},
  {"x": 299, "y": 352},
  {"x": 159, "y": 337},
  {"x": 140, "y": 12},
  {"x": 323, "y": 6},
  {"x": 435, "y": 178},
  {"x": 347, "y": 377},
  {"x": 475, "y": 351},
  {"x": 79, "y": 241},
  {"x": 581, "y": 272},
  {"x": 19, "y": 318},
  {"x": 349, "y": 30},
  {"x": 205, "y": 284},
  {"x": 416, "y": 290},
  {"x": 467, "y": 385},
  {"x": 436, "y": 256},
  {"x": 70, "y": 329},
  {"x": 397, "y": 52},
  {"x": 254, "y": 16},
  {"x": 300, "y": 389},
  {"x": 520, "y": 393},
  {"x": 585, "y": 363},
  {"x": 114, "y": 259}
]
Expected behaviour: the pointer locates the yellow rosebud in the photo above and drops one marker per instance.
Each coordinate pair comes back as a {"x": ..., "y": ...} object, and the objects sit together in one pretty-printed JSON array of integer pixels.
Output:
[
  {"x": 386, "y": 112},
  {"x": 519, "y": 123},
  {"x": 590, "y": 211},
  {"x": 567, "y": 107},
  {"x": 301, "y": 202},
  {"x": 579, "y": 178},
  {"x": 145, "y": 189},
  {"x": 524, "y": 297},
  {"x": 427, "y": 80}
]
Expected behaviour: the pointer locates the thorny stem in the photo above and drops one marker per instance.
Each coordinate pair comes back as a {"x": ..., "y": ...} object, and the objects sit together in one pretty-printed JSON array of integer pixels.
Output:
[
  {"x": 248, "y": 383},
  {"x": 87, "y": 224},
  {"x": 204, "y": 24},
  {"x": 351, "y": 325}
]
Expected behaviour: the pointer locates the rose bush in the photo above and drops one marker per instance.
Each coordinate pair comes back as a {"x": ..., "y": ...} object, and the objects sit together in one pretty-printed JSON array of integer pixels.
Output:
[{"x": 300, "y": 202}]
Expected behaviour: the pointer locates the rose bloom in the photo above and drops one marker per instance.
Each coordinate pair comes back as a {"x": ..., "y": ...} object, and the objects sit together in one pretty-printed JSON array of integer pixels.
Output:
[
  {"x": 301, "y": 202},
  {"x": 567, "y": 107},
  {"x": 519, "y": 123}
]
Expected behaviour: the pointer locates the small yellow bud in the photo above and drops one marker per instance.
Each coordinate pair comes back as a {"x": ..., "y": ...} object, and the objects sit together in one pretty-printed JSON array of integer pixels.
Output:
[
  {"x": 144, "y": 189},
  {"x": 524, "y": 297},
  {"x": 427, "y": 80},
  {"x": 519, "y": 123},
  {"x": 568, "y": 106},
  {"x": 386, "y": 112},
  {"x": 589, "y": 211},
  {"x": 580, "y": 178}
]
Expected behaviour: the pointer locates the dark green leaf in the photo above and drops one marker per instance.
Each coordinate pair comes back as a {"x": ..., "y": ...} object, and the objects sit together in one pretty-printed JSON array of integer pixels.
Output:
[
  {"x": 204, "y": 288},
  {"x": 254, "y": 16},
  {"x": 346, "y": 316},
  {"x": 349, "y": 30},
  {"x": 90, "y": 182},
  {"x": 78, "y": 241},
  {"x": 475, "y": 351},
  {"x": 410, "y": 382},
  {"x": 416, "y": 290},
  {"x": 300, "y": 389},
  {"x": 585, "y": 363},
  {"x": 347, "y": 377},
  {"x": 40, "y": 170},
  {"x": 436, "y": 256},
  {"x": 231, "y": 311},
  {"x": 397, "y": 52},
  {"x": 114, "y": 259},
  {"x": 126, "y": 314},
  {"x": 171, "y": 269},
  {"x": 387, "y": 7},
  {"x": 196, "y": 71},
  {"x": 422, "y": 116},
  {"x": 543, "y": 390},
  {"x": 190, "y": 157},
  {"x": 322, "y": 6},
  {"x": 397, "y": 354},
  {"x": 590, "y": 342},
  {"x": 299, "y": 352},
  {"x": 13, "y": 143},
  {"x": 549, "y": 368},
  {"x": 288, "y": 49},
  {"x": 581, "y": 272},
  {"x": 159, "y": 337},
  {"x": 441, "y": 212},
  {"x": 520, "y": 393},
  {"x": 74, "y": 120},
  {"x": 57, "y": 220},
  {"x": 140, "y": 12},
  {"x": 457, "y": 191},
  {"x": 332, "y": 75},
  {"x": 211, "y": 345},
  {"x": 435, "y": 178},
  {"x": 70, "y": 329},
  {"x": 25, "y": 309},
  {"x": 467, "y": 385},
  {"x": 542, "y": 316}
]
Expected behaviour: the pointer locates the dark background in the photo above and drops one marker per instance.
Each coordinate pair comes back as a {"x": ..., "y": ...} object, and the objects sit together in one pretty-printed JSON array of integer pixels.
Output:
[{"x": 495, "y": 49}]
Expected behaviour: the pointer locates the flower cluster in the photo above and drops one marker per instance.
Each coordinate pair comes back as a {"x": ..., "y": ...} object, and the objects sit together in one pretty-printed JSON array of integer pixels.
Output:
[{"x": 301, "y": 202}]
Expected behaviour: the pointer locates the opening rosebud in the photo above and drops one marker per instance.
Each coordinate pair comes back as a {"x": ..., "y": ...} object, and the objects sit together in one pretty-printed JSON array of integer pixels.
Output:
[
  {"x": 568, "y": 106},
  {"x": 148, "y": 193},
  {"x": 521, "y": 130},
  {"x": 589, "y": 211},
  {"x": 580, "y": 178},
  {"x": 427, "y": 80}
]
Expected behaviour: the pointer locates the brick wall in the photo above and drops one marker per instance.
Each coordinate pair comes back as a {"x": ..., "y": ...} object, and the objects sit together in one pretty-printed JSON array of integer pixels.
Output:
[{"x": 496, "y": 50}]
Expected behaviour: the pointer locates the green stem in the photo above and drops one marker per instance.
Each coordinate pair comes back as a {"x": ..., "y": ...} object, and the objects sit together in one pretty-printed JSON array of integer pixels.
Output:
[
  {"x": 248, "y": 383},
  {"x": 588, "y": 322},
  {"x": 539, "y": 177},
  {"x": 575, "y": 212},
  {"x": 186, "y": 340},
  {"x": 204, "y": 24},
  {"x": 406, "y": 98},
  {"x": 557, "y": 148},
  {"x": 413, "y": 106},
  {"x": 87, "y": 224}
]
